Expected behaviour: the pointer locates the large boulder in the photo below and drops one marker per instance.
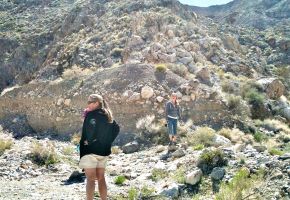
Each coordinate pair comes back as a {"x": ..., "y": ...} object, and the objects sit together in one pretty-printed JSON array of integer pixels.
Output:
[
  {"x": 193, "y": 177},
  {"x": 273, "y": 87}
]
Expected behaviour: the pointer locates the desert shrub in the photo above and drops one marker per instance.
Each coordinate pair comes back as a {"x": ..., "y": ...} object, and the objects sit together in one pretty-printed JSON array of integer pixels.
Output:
[
  {"x": 116, "y": 150},
  {"x": 75, "y": 138},
  {"x": 228, "y": 86},
  {"x": 68, "y": 150},
  {"x": 151, "y": 130},
  {"x": 273, "y": 124},
  {"x": 254, "y": 97},
  {"x": 249, "y": 86},
  {"x": 184, "y": 128},
  {"x": 238, "y": 106},
  {"x": 5, "y": 144},
  {"x": 210, "y": 159},
  {"x": 43, "y": 155},
  {"x": 161, "y": 67},
  {"x": 240, "y": 186},
  {"x": 260, "y": 137},
  {"x": 132, "y": 193},
  {"x": 117, "y": 52},
  {"x": 257, "y": 101},
  {"x": 274, "y": 151},
  {"x": 146, "y": 192},
  {"x": 226, "y": 132},
  {"x": 180, "y": 70},
  {"x": 158, "y": 174},
  {"x": 284, "y": 73},
  {"x": 202, "y": 135},
  {"x": 119, "y": 180},
  {"x": 75, "y": 71},
  {"x": 198, "y": 147},
  {"x": 233, "y": 101},
  {"x": 179, "y": 175}
]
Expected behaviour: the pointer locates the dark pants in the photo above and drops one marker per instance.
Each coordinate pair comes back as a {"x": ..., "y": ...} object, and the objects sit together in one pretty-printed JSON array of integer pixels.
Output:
[{"x": 172, "y": 126}]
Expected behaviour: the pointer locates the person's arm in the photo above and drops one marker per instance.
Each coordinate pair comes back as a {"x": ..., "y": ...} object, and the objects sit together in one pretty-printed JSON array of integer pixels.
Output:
[
  {"x": 179, "y": 112},
  {"x": 83, "y": 139}
]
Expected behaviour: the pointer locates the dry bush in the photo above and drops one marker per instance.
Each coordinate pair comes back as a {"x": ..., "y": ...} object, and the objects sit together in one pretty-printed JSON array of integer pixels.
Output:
[
  {"x": 5, "y": 144},
  {"x": 75, "y": 138},
  {"x": 226, "y": 132},
  {"x": 180, "y": 70},
  {"x": 184, "y": 128},
  {"x": 116, "y": 150},
  {"x": 238, "y": 106},
  {"x": 43, "y": 155},
  {"x": 228, "y": 86},
  {"x": 152, "y": 130},
  {"x": 275, "y": 125},
  {"x": 202, "y": 135},
  {"x": 68, "y": 150},
  {"x": 76, "y": 71}
]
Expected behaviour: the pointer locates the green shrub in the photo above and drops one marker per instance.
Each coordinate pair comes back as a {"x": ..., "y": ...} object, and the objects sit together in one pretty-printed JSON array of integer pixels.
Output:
[
  {"x": 132, "y": 193},
  {"x": 239, "y": 187},
  {"x": 68, "y": 150},
  {"x": 273, "y": 151},
  {"x": 119, "y": 180},
  {"x": 42, "y": 155},
  {"x": 254, "y": 97},
  {"x": 260, "y": 137},
  {"x": 5, "y": 144},
  {"x": 210, "y": 159},
  {"x": 234, "y": 101},
  {"x": 198, "y": 147},
  {"x": 249, "y": 86},
  {"x": 161, "y": 67},
  {"x": 116, "y": 52},
  {"x": 158, "y": 174},
  {"x": 202, "y": 135},
  {"x": 179, "y": 175},
  {"x": 146, "y": 192},
  {"x": 228, "y": 86}
]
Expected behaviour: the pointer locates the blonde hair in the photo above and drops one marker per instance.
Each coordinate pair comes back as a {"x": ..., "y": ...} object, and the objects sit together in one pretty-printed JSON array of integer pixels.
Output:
[
  {"x": 173, "y": 94},
  {"x": 102, "y": 105}
]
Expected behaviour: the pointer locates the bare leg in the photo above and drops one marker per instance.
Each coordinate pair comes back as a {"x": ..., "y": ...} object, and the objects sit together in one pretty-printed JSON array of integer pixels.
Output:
[
  {"x": 100, "y": 172},
  {"x": 90, "y": 187},
  {"x": 174, "y": 138}
]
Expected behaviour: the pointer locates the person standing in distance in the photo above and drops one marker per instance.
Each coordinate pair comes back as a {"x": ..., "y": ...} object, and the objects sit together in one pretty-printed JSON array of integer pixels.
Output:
[
  {"x": 172, "y": 111},
  {"x": 98, "y": 133}
]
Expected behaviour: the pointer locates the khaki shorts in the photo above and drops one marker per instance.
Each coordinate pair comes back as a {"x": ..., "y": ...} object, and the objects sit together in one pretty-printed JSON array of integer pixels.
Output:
[{"x": 93, "y": 161}]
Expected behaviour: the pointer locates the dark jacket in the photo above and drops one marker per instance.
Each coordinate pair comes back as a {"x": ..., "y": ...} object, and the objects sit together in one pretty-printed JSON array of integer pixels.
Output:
[
  {"x": 99, "y": 133},
  {"x": 172, "y": 111}
]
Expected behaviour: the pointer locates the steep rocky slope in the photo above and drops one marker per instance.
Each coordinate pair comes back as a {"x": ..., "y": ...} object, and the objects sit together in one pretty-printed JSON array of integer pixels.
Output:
[
  {"x": 85, "y": 37},
  {"x": 231, "y": 74}
]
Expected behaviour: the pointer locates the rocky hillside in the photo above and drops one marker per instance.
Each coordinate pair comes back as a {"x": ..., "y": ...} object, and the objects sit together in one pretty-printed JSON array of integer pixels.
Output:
[
  {"x": 55, "y": 53},
  {"x": 259, "y": 14},
  {"x": 231, "y": 74}
]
